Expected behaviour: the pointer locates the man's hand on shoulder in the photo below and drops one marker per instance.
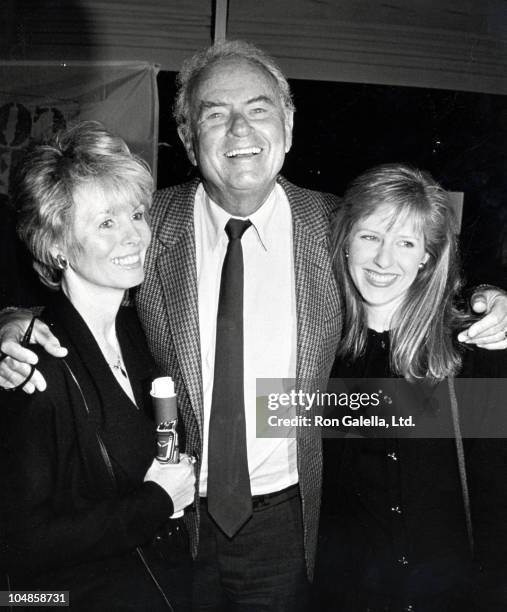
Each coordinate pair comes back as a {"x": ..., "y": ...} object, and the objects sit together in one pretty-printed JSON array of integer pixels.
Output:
[
  {"x": 17, "y": 361},
  {"x": 490, "y": 332}
]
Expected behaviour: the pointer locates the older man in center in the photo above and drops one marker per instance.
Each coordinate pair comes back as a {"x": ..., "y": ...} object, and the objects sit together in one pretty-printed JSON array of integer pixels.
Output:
[{"x": 234, "y": 113}]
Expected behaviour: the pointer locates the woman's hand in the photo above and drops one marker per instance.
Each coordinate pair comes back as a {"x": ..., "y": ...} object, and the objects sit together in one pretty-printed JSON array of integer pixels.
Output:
[
  {"x": 15, "y": 367},
  {"x": 177, "y": 480},
  {"x": 490, "y": 332}
]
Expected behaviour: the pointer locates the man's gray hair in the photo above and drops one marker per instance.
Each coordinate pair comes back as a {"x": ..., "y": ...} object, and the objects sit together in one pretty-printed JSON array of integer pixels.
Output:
[{"x": 192, "y": 69}]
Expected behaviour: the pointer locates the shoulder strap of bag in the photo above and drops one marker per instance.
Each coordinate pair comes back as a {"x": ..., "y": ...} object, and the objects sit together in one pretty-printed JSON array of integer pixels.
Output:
[{"x": 460, "y": 452}]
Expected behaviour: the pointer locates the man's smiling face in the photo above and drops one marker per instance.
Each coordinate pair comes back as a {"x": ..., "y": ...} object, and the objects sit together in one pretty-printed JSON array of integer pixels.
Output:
[{"x": 240, "y": 133}]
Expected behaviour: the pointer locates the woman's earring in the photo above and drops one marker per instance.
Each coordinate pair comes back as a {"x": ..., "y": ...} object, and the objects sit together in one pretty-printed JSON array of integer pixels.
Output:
[
  {"x": 346, "y": 253},
  {"x": 62, "y": 262},
  {"x": 422, "y": 265}
]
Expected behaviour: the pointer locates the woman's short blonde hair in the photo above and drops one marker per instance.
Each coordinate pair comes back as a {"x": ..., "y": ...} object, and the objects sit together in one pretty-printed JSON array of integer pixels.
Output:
[{"x": 45, "y": 183}]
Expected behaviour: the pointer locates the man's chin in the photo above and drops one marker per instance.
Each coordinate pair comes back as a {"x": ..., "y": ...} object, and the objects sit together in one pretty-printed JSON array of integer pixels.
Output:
[{"x": 254, "y": 181}]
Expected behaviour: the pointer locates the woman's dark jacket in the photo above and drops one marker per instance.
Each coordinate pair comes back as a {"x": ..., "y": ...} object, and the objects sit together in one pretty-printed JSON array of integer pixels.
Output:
[
  {"x": 70, "y": 524},
  {"x": 393, "y": 532}
]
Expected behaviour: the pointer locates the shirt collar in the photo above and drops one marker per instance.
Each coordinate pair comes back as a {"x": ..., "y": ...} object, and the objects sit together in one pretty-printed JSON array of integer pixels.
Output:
[{"x": 216, "y": 219}]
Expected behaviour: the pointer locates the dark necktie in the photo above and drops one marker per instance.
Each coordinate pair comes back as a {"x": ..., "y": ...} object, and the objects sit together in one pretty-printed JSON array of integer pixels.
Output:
[{"x": 229, "y": 494}]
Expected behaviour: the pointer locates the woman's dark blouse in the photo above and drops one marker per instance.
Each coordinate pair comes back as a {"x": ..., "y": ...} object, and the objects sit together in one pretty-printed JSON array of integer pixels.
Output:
[
  {"x": 393, "y": 531},
  {"x": 68, "y": 524}
]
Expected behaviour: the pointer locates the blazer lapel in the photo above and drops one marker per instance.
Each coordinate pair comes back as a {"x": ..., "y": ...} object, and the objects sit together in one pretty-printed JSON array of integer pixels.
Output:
[
  {"x": 176, "y": 266},
  {"x": 318, "y": 325},
  {"x": 316, "y": 293}
]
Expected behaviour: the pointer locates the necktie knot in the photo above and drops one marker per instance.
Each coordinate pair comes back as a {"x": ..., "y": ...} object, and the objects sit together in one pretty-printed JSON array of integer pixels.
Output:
[{"x": 235, "y": 228}]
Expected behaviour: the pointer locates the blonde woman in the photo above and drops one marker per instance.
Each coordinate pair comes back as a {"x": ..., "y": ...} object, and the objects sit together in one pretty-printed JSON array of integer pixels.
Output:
[{"x": 87, "y": 507}]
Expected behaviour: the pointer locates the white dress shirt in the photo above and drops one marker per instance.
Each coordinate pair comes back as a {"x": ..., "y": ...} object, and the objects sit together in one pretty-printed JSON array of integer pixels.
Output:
[{"x": 269, "y": 321}]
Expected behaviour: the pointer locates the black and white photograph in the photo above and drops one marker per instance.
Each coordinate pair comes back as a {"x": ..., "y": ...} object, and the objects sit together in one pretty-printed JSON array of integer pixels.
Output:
[{"x": 253, "y": 305}]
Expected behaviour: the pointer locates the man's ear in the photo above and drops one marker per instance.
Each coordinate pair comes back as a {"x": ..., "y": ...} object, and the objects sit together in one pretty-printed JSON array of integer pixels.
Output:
[
  {"x": 288, "y": 124},
  {"x": 188, "y": 142}
]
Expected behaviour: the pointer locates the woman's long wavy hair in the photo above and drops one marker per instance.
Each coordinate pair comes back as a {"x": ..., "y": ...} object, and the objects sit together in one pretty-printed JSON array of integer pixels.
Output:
[{"x": 423, "y": 326}]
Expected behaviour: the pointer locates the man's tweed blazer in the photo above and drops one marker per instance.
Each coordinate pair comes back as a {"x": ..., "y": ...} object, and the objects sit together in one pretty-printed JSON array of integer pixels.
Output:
[{"x": 168, "y": 309}]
